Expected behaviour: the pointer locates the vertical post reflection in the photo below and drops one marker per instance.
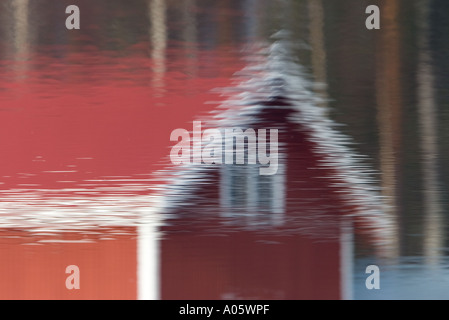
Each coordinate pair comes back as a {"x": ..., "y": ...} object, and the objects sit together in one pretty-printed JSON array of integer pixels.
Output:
[
  {"x": 346, "y": 259},
  {"x": 433, "y": 235},
  {"x": 316, "y": 15},
  {"x": 21, "y": 36},
  {"x": 389, "y": 107},
  {"x": 158, "y": 32},
  {"x": 148, "y": 258}
]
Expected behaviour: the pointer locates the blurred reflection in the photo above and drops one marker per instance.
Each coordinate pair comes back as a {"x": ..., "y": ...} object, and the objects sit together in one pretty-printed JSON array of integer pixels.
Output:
[
  {"x": 319, "y": 63},
  {"x": 288, "y": 236},
  {"x": 190, "y": 36},
  {"x": 85, "y": 177},
  {"x": 389, "y": 108},
  {"x": 207, "y": 232},
  {"x": 21, "y": 33},
  {"x": 20, "y": 37},
  {"x": 433, "y": 221},
  {"x": 157, "y": 17},
  {"x": 148, "y": 257},
  {"x": 33, "y": 265}
]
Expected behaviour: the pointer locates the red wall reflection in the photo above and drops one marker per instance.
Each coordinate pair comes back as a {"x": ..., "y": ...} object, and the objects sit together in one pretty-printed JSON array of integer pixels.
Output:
[
  {"x": 36, "y": 270},
  {"x": 91, "y": 116}
]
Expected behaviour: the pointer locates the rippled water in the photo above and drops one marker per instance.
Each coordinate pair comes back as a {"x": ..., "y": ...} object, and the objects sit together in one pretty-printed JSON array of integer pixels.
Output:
[{"x": 86, "y": 178}]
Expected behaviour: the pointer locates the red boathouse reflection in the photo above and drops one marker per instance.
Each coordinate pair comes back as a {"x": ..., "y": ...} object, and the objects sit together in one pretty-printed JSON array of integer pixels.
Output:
[
  {"x": 241, "y": 236},
  {"x": 272, "y": 237},
  {"x": 235, "y": 235}
]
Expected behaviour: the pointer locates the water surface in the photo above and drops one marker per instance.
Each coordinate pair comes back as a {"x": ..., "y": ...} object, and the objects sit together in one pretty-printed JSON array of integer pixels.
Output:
[{"x": 86, "y": 178}]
